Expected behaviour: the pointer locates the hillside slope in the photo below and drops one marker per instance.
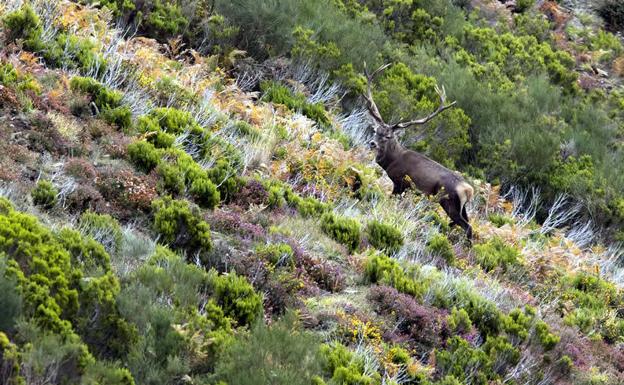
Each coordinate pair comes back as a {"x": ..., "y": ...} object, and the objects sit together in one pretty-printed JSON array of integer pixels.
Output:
[{"x": 164, "y": 222}]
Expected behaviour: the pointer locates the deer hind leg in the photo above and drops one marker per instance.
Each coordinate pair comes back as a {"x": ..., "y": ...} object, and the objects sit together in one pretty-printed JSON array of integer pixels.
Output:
[
  {"x": 453, "y": 207},
  {"x": 461, "y": 208}
]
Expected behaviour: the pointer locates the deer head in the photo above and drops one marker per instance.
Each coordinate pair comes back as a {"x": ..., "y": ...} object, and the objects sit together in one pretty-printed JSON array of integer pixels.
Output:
[{"x": 385, "y": 139}]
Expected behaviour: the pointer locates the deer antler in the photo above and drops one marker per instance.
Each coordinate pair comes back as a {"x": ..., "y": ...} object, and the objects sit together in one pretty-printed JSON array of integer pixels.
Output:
[
  {"x": 441, "y": 108},
  {"x": 372, "y": 107}
]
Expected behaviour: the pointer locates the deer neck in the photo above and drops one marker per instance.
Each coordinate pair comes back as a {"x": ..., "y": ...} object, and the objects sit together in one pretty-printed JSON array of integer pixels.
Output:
[{"x": 391, "y": 152}]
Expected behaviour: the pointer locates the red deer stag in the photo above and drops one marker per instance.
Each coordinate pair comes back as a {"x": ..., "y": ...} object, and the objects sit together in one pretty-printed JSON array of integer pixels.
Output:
[{"x": 406, "y": 168}]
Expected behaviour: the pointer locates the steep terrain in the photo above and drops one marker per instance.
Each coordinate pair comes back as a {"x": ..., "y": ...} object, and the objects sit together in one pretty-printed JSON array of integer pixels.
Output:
[{"x": 165, "y": 219}]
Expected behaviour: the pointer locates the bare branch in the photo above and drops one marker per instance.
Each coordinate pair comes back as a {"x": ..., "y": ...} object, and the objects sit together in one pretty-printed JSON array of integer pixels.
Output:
[
  {"x": 372, "y": 107},
  {"x": 441, "y": 108}
]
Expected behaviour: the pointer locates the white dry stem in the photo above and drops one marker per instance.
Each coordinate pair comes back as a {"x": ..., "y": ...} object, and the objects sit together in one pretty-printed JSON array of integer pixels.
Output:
[
  {"x": 583, "y": 234},
  {"x": 355, "y": 124},
  {"x": 561, "y": 212},
  {"x": 524, "y": 204}
]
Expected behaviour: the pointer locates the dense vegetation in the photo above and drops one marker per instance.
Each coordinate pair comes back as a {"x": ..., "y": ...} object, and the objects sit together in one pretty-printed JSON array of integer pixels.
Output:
[{"x": 196, "y": 205}]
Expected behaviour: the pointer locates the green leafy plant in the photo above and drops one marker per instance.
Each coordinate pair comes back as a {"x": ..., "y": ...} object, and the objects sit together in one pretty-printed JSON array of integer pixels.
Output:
[
  {"x": 279, "y": 354},
  {"x": 237, "y": 298},
  {"x": 180, "y": 225},
  {"x": 45, "y": 194},
  {"x": 205, "y": 193},
  {"x": 144, "y": 155},
  {"x": 279, "y": 254},
  {"x": 439, "y": 245},
  {"x": 342, "y": 230},
  {"x": 496, "y": 253},
  {"x": 384, "y": 237}
]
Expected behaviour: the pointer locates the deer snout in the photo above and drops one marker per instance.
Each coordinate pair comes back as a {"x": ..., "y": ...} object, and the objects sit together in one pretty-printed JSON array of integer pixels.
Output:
[{"x": 372, "y": 144}]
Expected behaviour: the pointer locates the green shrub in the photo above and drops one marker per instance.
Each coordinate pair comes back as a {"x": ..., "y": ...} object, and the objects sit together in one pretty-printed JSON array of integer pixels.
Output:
[
  {"x": 180, "y": 225},
  {"x": 382, "y": 269},
  {"x": 150, "y": 126},
  {"x": 459, "y": 321},
  {"x": 439, "y": 245},
  {"x": 547, "y": 339},
  {"x": 276, "y": 197},
  {"x": 106, "y": 100},
  {"x": 524, "y": 5},
  {"x": 500, "y": 220},
  {"x": 496, "y": 253},
  {"x": 279, "y": 254},
  {"x": 10, "y": 301},
  {"x": 205, "y": 193},
  {"x": 45, "y": 194},
  {"x": 225, "y": 177},
  {"x": 279, "y": 354},
  {"x": 342, "y": 230},
  {"x": 165, "y": 20},
  {"x": 104, "y": 229},
  {"x": 460, "y": 359},
  {"x": 144, "y": 155},
  {"x": 171, "y": 176},
  {"x": 518, "y": 323},
  {"x": 612, "y": 11},
  {"x": 237, "y": 298},
  {"x": 311, "y": 207},
  {"x": 277, "y": 93},
  {"x": 593, "y": 299},
  {"x": 245, "y": 129},
  {"x": 384, "y": 237},
  {"x": 344, "y": 367},
  {"x": 24, "y": 24}
]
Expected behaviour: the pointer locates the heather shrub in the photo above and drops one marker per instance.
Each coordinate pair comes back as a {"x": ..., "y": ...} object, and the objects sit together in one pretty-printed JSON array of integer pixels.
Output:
[
  {"x": 235, "y": 295},
  {"x": 24, "y": 24},
  {"x": 44, "y": 194},
  {"x": 382, "y": 269},
  {"x": 144, "y": 155},
  {"x": 384, "y": 237},
  {"x": 422, "y": 323},
  {"x": 546, "y": 338},
  {"x": 171, "y": 178},
  {"x": 179, "y": 224},
  {"x": 279, "y": 254},
  {"x": 612, "y": 11},
  {"x": 107, "y": 101},
  {"x": 205, "y": 193},
  {"x": 496, "y": 253},
  {"x": 459, "y": 321},
  {"x": 328, "y": 275},
  {"x": 280, "y": 354},
  {"x": 279, "y": 94},
  {"x": 500, "y": 220},
  {"x": 104, "y": 229},
  {"x": 439, "y": 245},
  {"x": 344, "y": 367},
  {"x": 341, "y": 229}
]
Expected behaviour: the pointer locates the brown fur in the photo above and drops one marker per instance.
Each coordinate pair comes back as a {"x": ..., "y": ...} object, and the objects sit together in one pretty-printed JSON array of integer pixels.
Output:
[{"x": 408, "y": 168}]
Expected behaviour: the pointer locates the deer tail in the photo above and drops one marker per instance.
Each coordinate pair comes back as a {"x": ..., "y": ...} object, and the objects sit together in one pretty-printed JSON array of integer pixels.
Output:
[{"x": 465, "y": 192}]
